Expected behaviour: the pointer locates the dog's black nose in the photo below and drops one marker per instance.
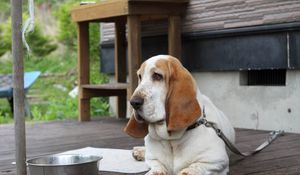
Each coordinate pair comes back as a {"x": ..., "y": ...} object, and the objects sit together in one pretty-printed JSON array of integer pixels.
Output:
[{"x": 136, "y": 102}]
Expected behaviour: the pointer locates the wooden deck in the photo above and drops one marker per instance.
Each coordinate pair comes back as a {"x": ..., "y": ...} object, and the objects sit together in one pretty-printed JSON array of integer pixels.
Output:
[{"x": 281, "y": 158}]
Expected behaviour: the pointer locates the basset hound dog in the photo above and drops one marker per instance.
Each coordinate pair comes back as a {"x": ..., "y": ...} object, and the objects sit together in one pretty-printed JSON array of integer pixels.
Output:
[{"x": 166, "y": 103}]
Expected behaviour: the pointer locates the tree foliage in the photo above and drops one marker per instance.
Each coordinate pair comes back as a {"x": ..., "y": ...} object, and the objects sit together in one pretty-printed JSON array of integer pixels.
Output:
[
  {"x": 68, "y": 32},
  {"x": 40, "y": 44},
  {"x": 66, "y": 28},
  {"x": 4, "y": 9},
  {"x": 5, "y": 35}
]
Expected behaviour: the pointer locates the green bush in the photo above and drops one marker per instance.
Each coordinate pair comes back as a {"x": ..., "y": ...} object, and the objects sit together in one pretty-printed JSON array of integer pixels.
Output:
[
  {"x": 5, "y": 37},
  {"x": 48, "y": 101},
  {"x": 4, "y": 9},
  {"x": 49, "y": 1},
  {"x": 40, "y": 44},
  {"x": 5, "y": 115},
  {"x": 68, "y": 29}
]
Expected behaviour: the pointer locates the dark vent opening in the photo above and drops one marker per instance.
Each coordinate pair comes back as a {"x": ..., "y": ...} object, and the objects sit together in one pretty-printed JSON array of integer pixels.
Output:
[{"x": 263, "y": 77}]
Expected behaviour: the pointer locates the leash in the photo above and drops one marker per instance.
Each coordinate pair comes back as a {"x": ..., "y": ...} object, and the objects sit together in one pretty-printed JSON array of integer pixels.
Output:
[{"x": 271, "y": 137}]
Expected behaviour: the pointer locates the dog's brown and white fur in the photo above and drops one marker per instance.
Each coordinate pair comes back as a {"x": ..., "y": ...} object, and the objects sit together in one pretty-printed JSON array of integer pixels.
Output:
[{"x": 166, "y": 102}]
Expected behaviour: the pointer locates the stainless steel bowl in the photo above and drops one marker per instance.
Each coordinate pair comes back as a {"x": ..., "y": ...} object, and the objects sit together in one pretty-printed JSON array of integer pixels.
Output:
[{"x": 64, "y": 165}]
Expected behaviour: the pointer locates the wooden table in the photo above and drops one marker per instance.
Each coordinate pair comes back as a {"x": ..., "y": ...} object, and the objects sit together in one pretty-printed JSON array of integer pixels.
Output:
[
  {"x": 122, "y": 12},
  {"x": 6, "y": 88}
]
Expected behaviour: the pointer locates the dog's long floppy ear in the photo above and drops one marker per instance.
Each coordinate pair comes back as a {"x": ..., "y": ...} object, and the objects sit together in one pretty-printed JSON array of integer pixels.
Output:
[
  {"x": 136, "y": 129},
  {"x": 182, "y": 106}
]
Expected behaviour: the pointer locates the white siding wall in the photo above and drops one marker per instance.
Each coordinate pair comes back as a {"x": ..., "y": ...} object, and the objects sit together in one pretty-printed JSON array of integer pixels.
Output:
[{"x": 254, "y": 107}]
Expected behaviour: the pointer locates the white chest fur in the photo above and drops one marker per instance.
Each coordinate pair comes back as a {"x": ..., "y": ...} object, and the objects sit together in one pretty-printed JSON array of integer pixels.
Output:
[{"x": 184, "y": 148}]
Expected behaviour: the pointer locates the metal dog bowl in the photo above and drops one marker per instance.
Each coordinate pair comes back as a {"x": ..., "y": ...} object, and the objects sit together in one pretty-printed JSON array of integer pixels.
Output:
[{"x": 64, "y": 165}]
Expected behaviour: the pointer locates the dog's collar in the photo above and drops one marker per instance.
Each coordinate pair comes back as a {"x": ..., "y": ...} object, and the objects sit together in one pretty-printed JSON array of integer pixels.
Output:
[
  {"x": 196, "y": 124},
  {"x": 201, "y": 121}
]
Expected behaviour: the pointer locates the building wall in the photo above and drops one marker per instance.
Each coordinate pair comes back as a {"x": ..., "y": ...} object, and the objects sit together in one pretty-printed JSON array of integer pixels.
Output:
[
  {"x": 254, "y": 107},
  {"x": 251, "y": 107},
  {"x": 213, "y": 24},
  {"x": 204, "y": 15}
]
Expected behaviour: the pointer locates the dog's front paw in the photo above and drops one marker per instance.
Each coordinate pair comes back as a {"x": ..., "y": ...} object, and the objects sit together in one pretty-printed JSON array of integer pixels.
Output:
[
  {"x": 138, "y": 153},
  {"x": 190, "y": 171},
  {"x": 156, "y": 172}
]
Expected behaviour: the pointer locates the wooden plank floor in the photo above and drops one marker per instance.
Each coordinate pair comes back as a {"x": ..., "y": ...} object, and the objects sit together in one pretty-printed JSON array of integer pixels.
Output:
[{"x": 281, "y": 158}]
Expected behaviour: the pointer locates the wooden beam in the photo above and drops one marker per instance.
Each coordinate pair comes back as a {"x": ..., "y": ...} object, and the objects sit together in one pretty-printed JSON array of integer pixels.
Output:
[
  {"x": 120, "y": 51},
  {"x": 120, "y": 64},
  {"x": 105, "y": 10},
  {"x": 102, "y": 10},
  {"x": 90, "y": 93},
  {"x": 134, "y": 51},
  {"x": 110, "y": 89},
  {"x": 174, "y": 36},
  {"x": 18, "y": 87},
  {"x": 83, "y": 69}
]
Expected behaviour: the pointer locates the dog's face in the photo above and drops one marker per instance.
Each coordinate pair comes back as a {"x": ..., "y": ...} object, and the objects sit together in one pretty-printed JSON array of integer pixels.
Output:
[
  {"x": 166, "y": 92},
  {"x": 148, "y": 99}
]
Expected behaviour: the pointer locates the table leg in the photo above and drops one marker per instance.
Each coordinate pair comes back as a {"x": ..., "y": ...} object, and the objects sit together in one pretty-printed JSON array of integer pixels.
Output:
[
  {"x": 83, "y": 69},
  {"x": 134, "y": 51},
  {"x": 120, "y": 64},
  {"x": 26, "y": 105},
  {"x": 11, "y": 103},
  {"x": 174, "y": 36}
]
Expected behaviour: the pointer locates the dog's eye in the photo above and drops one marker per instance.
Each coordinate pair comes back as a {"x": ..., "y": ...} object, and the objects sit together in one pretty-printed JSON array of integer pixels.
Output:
[{"x": 157, "y": 76}]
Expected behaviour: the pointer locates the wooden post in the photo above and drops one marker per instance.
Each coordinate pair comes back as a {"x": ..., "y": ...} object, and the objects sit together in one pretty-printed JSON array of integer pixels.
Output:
[
  {"x": 120, "y": 64},
  {"x": 18, "y": 87},
  {"x": 174, "y": 36},
  {"x": 134, "y": 51},
  {"x": 83, "y": 69}
]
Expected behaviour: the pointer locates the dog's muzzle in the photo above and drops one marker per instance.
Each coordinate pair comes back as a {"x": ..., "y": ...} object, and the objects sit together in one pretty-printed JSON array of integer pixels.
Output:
[{"x": 137, "y": 102}]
